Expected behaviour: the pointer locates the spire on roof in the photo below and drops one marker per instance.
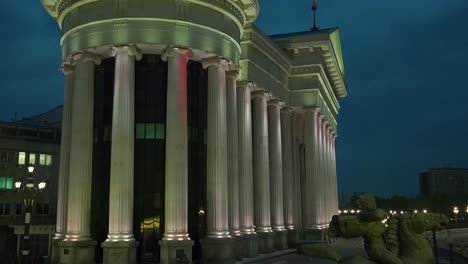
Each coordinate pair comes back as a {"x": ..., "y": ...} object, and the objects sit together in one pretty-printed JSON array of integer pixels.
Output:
[{"x": 314, "y": 9}]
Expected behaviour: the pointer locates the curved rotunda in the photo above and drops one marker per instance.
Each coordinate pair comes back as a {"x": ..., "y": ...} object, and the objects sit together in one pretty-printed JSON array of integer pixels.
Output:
[{"x": 189, "y": 134}]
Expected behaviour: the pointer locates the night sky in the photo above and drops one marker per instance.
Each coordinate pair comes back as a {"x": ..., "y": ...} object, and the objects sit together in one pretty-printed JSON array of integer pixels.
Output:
[{"x": 406, "y": 66}]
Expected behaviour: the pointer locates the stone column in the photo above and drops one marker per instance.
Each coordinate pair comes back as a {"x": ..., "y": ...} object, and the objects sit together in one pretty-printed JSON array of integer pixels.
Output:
[
  {"x": 61, "y": 227},
  {"x": 288, "y": 179},
  {"x": 334, "y": 174},
  {"x": 233, "y": 157},
  {"x": 176, "y": 235},
  {"x": 246, "y": 203},
  {"x": 262, "y": 216},
  {"x": 78, "y": 246},
  {"x": 276, "y": 173},
  {"x": 329, "y": 181},
  {"x": 324, "y": 170},
  {"x": 296, "y": 175},
  {"x": 120, "y": 246},
  {"x": 218, "y": 246},
  {"x": 314, "y": 185}
]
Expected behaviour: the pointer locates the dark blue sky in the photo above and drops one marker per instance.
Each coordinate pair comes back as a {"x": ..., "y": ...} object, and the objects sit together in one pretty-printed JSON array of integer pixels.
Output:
[{"x": 406, "y": 65}]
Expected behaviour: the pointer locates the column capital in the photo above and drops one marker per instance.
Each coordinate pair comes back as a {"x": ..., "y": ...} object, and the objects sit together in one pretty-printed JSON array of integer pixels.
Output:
[
  {"x": 85, "y": 56},
  {"x": 129, "y": 49},
  {"x": 321, "y": 116},
  {"x": 232, "y": 74},
  {"x": 172, "y": 51},
  {"x": 325, "y": 121},
  {"x": 314, "y": 108},
  {"x": 287, "y": 110},
  {"x": 273, "y": 101},
  {"x": 260, "y": 93},
  {"x": 216, "y": 61},
  {"x": 250, "y": 85},
  {"x": 67, "y": 68}
]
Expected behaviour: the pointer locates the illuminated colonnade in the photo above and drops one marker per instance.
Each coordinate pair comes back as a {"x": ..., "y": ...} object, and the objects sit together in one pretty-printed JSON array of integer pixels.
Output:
[{"x": 270, "y": 152}]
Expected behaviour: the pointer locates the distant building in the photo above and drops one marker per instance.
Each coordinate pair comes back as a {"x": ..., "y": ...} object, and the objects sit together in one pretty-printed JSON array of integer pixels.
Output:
[
  {"x": 34, "y": 142},
  {"x": 451, "y": 182}
]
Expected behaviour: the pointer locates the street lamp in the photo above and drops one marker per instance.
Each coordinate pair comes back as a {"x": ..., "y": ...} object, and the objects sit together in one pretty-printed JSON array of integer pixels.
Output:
[
  {"x": 30, "y": 190},
  {"x": 455, "y": 211}
]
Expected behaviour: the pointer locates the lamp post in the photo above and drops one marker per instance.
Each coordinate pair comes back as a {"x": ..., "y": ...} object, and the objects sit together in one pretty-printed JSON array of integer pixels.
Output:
[
  {"x": 455, "y": 211},
  {"x": 30, "y": 190}
]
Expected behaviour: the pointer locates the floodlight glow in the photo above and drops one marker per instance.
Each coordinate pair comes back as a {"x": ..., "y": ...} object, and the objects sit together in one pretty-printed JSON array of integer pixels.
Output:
[
  {"x": 17, "y": 184},
  {"x": 42, "y": 185}
]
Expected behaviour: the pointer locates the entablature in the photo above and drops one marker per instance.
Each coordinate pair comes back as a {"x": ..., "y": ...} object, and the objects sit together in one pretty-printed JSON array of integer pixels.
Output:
[{"x": 323, "y": 44}]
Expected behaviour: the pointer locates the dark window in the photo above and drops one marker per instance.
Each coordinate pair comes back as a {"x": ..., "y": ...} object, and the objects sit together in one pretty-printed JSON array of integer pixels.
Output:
[
  {"x": 6, "y": 210},
  {"x": 18, "y": 209},
  {"x": 42, "y": 209}
]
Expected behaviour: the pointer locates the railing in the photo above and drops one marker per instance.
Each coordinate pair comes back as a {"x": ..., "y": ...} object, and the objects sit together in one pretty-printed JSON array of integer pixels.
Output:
[{"x": 447, "y": 256}]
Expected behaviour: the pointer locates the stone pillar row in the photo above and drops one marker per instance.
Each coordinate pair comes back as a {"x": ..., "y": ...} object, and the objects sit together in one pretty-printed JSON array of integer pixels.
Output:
[
  {"x": 253, "y": 165},
  {"x": 321, "y": 198}
]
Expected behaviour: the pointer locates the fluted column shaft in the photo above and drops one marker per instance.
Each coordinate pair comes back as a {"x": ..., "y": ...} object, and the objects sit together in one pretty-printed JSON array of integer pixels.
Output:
[
  {"x": 81, "y": 149},
  {"x": 329, "y": 189},
  {"x": 261, "y": 162},
  {"x": 331, "y": 204},
  {"x": 314, "y": 186},
  {"x": 176, "y": 197},
  {"x": 296, "y": 173},
  {"x": 323, "y": 174},
  {"x": 287, "y": 157},
  {"x": 244, "y": 115},
  {"x": 122, "y": 149},
  {"x": 232, "y": 149},
  {"x": 275, "y": 165},
  {"x": 334, "y": 175},
  {"x": 64, "y": 168},
  {"x": 217, "y": 177}
]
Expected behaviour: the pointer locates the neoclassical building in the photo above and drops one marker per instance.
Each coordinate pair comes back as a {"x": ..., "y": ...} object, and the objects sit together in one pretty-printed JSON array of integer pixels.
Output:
[{"x": 190, "y": 134}]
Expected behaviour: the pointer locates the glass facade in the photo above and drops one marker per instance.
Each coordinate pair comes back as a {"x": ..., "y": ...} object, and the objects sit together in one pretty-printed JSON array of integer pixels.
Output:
[{"x": 150, "y": 119}]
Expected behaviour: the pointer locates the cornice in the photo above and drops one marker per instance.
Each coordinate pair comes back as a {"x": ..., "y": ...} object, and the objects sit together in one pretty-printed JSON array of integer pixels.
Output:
[
  {"x": 267, "y": 47},
  {"x": 319, "y": 71},
  {"x": 325, "y": 49},
  {"x": 240, "y": 13}
]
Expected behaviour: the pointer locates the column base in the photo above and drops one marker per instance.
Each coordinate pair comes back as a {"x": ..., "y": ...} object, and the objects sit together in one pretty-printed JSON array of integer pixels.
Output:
[
  {"x": 293, "y": 237},
  {"x": 120, "y": 252},
  {"x": 176, "y": 251},
  {"x": 281, "y": 239},
  {"x": 266, "y": 242},
  {"x": 55, "y": 254},
  {"x": 77, "y": 252},
  {"x": 238, "y": 247},
  {"x": 249, "y": 245},
  {"x": 218, "y": 250},
  {"x": 318, "y": 235}
]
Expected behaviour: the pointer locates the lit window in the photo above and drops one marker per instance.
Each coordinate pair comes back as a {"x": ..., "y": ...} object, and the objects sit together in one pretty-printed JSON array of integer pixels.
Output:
[
  {"x": 32, "y": 158},
  {"x": 48, "y": 160},
  {"x": 160, "y": 131},
  {"x": 149, "y": 131},
  {"x": 22, "y": 158},
  {"x": 42, "y": 159},
  {"x": 140, "y": 131},
  {"x": 6, "y": 183}
]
